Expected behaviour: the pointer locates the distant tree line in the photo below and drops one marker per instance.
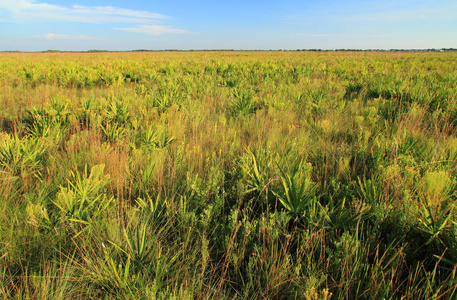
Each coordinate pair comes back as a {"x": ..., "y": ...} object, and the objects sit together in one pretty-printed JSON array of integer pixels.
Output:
[{"x": 252, "y": 50}]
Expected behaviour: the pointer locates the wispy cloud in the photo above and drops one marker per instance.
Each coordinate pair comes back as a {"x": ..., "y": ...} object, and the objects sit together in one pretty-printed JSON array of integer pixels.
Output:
[
  {"x": 30, "y": 10},
  {"x": 323, "y": 35},
  {"x": 428, "y": 11},
  {"x": 319, "y": 35},
  {"x": 391, "y": 12},
  {"x": 57, "y": 36},
  {"x": 154, "y": 29}
]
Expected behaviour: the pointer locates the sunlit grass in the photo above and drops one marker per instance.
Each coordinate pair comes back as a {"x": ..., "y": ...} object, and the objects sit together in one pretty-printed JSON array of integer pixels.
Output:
[{"x": 222, "y": 175}]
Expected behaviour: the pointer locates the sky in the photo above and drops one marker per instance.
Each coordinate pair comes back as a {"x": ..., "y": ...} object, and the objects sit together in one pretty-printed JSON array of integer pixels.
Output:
[{"x": 117, "y": 25}]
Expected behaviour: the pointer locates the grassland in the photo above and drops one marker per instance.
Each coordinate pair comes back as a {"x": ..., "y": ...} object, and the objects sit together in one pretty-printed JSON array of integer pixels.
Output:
[{"x": 228, "y": 175}]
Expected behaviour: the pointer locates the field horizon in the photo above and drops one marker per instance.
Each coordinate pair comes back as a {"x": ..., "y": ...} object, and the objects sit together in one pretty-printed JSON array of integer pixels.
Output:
[{"x": 442, "y": 49}]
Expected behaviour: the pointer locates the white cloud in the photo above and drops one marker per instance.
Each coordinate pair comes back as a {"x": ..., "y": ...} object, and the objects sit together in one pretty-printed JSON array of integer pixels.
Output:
[
  {"x": 30, "y": 10},
  {"x": 56, "y": 36},
  {"x": 317, "y": 35},
  {"x": 425, "y": 13},
  {"x": 154, "y": 29},
  {"x": 376, "y": 12}
]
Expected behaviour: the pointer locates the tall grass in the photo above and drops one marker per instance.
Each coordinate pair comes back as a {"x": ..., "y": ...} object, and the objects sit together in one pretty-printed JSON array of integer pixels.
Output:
[{"x": 202, "y": 175}]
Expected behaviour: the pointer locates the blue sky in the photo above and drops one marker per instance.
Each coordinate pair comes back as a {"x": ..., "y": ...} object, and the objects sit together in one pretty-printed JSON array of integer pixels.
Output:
[{"x": 78, "y": 25}]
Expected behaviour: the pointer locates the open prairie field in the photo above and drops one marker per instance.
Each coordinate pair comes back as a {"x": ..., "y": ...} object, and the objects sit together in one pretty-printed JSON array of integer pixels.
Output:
[{"x": 228, "y": 175}]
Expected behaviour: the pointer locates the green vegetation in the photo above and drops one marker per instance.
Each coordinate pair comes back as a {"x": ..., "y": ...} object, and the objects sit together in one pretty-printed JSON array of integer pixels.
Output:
[{"x": 222, "y": 175}]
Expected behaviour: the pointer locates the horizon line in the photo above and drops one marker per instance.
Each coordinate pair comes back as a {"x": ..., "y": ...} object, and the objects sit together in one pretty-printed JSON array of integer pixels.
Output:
[{"x": 241, "y": 50}]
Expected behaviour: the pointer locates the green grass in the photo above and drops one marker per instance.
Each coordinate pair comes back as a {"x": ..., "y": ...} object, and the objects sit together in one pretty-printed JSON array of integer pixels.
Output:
[{"x": 222, "y": 175}]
